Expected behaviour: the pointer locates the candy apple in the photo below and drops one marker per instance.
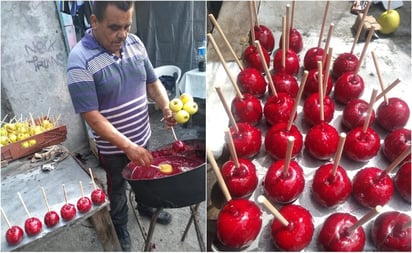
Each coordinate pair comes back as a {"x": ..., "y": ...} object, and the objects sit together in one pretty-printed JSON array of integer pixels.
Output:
[
  {"x": 291, "y": 62},
  {"x": 372, "y": 187},
  {"x": 251, "y": 81},
  {"x": 84, "y": 204},
  {"x": 51, "y": 218},
  {"x": 347, "y": 87},
  {"x": 32, "y": 226},
  {"x": 247, "y": 109},
  {"x": 334, "y": 235},
  {"x": 295, "y": 41},
  {"x": 312, "y": 83},
  {"x": 402, "y": 181},
  {"x": 345, "y": 62},
  {"x": 321, "y": 141},
  {"x": 276, "y": 140},
  {"x": 360, "y": 146},
  {"x": 285, "y": 83},
  {"x": 393, "y": 115},
  {"x": 14, "y": 235},
  {"x": 331, "y": 190},
  {"x": 298, "y": 233},
  {"x": 98, "y": 196},
  {"x": 239, "y": 223},
  {"x": 355, "y": 113},
  {"x": 396, "y": 142},
  {"x": 247, "y": 140},
  {"x": 251, "y": 58},
  {"x": 179, "y": 146},
  {"x": 284, "y": 188},
  {"x": 241, "y": 181},
  {"x": 68, "y": 211},
  {"x": 390, "y": 232},
  {"x": 312, "y": 56},
  {"x": 265, "y": 37},
  {"x": 278, "y": 109},
  {"x": 389, "y": 21},
  {"x": 311, "y": 109}
]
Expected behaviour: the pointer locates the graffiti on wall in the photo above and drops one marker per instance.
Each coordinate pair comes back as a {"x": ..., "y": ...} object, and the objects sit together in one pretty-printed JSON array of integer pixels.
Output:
[{"x": 43, "y": 54}]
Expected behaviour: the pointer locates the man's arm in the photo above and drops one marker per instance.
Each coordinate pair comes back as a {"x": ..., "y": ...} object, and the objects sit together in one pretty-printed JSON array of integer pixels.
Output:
[{"x": 158, "y": 93}]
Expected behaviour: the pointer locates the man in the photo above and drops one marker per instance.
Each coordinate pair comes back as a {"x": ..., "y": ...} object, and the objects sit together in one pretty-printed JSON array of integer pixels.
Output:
[{"x": 109, "y": 78}]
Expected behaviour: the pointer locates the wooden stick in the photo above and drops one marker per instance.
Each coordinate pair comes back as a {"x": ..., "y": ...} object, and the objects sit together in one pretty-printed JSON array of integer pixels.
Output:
[
  {"x": 232, "y": 148},
  {"x": 338, "y": 154},
  {"x": 398, "y": 160},
  {"x": 321, "y": 92},
  {"x": 369, "y": 112},
  {"x": 389, "y": 5},
  {"x": 365, "y": 47},
  {"x": 265, "y": 66},
  {"x": 288, "y": 157},
  {"x": 251, "y": 19},
  {"x": 174, "y": 133},
  {"x": 326, "y": 48},
  {"x": 222, "y": 60},
  {"x": 81, "y": 188},
  {"x": 327, "y": 70},
  {"x": 227, "y": 108},
  {"x": 368, "y": 216},
  {"x": 256, "y": 13},
  {"x": 287, "y": 26},
  {"x": 45, "y": 199},
  {"x": 4, "y": 119},
  {"x": 219, "y": 176},
  {"x": 263, "y": 200},
  {"x": 219, "y": 29},
  {"x": 292, "y": 17},
  {"x": 24, "y": 205},
  {"x": 65, "y": 193},
  {"x": 91, "y": 175},
  {"x": 378, "y": 72},
  {"x": 365, "y": 13},
  {"x": 322, "y": 27},
  {"x": 284, "y": 42},
  {"x": 390, "y": 87},
  {"x": 5, "y": 217},
  {"x": 297, "y": 100}
]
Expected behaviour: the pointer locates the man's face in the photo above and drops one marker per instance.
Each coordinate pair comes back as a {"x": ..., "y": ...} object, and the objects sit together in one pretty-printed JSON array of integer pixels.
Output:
[{"x": 112, "y": 30}]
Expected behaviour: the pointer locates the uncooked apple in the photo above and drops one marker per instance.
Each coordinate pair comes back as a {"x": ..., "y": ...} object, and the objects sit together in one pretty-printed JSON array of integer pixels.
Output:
[{"x": 389, "y": 21}]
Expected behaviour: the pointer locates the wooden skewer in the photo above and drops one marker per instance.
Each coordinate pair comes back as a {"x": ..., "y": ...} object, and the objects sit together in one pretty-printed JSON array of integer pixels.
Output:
[
  {"x": 263, "y": 200},
  {"x": 284, "y": 42},
  {"x": 24, "y": 205},
  {"x": 222, "y": 60},
  {"x": 265, "y": 66},
  {"x": 5, "y": 217},
  {"x": 287, "y": 26},
  {"x": 227, "y": 108},
  {"x": 297, "y": 100},
  {"x": 255, "y": 13},
  {"x": 292, "y": 17},
  {"x": 81, "y": 188},
  {"x": 369, "y": 112},
  {"x": 45, "y": 199},
  {"x": 378, "y": 72},
  {"x": 365, "y": 47},
  {"x": 390, "y": 87},
  {"x": 397, "y": 161},
  {"x": 252, "y": 23},
  {"x": 232, "y": 148},
  {"x": 174, "y": 133},
  {"x": 338, "y": 154},
  {"x": 65, "y": 193},
  {"x": 365, "y": 13},
  {"x": 389, "y": 5},
  {"x": 91, "y": 175},
  {"x": 328, "y": 39},
  {"x": 327, "y": 69},
  {"x": 322, "y": 27},
  {"x": 219, "y": 29},
  {"x": 368, "y": 216},
  {"x": 288, "y": 157},
  {"x": 219, "y": 176},
  {"x": 321, "y": 92}
]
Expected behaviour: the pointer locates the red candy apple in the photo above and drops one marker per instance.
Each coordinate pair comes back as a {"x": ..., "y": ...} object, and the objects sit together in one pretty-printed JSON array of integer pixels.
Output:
[
  {"x": 68, "y": 211},
  {"x": 345, "y": 62},
  {"x": 355, "y": 113},
  {"x": 32, "y": 226},
  {"x": 179, "y": 146},
  {"x": 295, "y": 41},
  {"x": 276, "y": 140},
  {"x": 14, "y": 235},
  {"x": 291, "y": 62},
  {"x": 98, "y": 196},
  {"x": 331, "y": 190},
  {"x": 285, "y": 83},
  {"x": 241, "y": 181},
  {"x": 311, "y": 109},
  {"x": 312, "y": 83},
  {"x": 251, "y": 81},
  {"x": 391, "y": 232},
  {"x": 265, "y": 37},
  {"x": 312, "y": 56},
  {"x": 51, "y": 218},
  {"x": 284, "y": 188},
  {"x": 362, "y": 146},
  {"x": 247, "y": 109},
  {"x": 349, "y": 86},
  {"x": 84, "y": 204},
  {"x": 299, "y": 231},
  {"x": 251, "y": 58},
  {"x": 321, "y": 141},
  {"x": 402, "y": 181},
  {"x": 247, "y": 140},
  {"x": 393, "y": 115},
  {"x": 278, "y": 108},
  {"x": 396, "y": 142},
  {"x": 371, "y": 187},
  {"x": 239, "y": 223},
  {"x": 334, "y": 235}
]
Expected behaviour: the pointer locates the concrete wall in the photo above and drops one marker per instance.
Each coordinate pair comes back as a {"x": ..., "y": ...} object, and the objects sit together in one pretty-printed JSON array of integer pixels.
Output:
[{"x": 33, "y": 67}]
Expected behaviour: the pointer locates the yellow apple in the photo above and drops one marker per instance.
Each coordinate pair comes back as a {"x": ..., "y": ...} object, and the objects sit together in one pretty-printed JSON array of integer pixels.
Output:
[
  {"x": 32, "y": 142},
  {"x": 191, "y": 107},
  {"x": 389, "y": 21},
  {"x": 166, "y": 168},
  {"x": 176, "y": 105},
  {"x": 186, "y": 97},
  {"x": 25, "y": 144},
  {"x": 182, "y": 116}
]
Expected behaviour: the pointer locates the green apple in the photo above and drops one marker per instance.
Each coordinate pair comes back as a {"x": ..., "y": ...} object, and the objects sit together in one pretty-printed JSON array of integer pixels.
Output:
[
  {"x": 182, "y": 116},
  {"x": 176, "y": 105},
  {"x": 186, "y": 97},
  {"x": 389, "y": 21},
  {"x": 191, "y": 107}
]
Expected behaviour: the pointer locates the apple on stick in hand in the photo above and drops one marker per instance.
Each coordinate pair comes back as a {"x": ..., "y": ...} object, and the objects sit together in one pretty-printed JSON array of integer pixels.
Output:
[
  {"x": 32, "y": 225},
  {"x": 68, "y": 210},
  {"x": 14, "y": 234},
  {"x": 98, "y": 196},
  {"x": 178, "y": 146},
  {"x": 51, "y": 218}
]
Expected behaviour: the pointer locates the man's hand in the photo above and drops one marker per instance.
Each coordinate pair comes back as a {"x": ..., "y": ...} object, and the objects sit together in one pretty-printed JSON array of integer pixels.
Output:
[
  {"x": 168, "y": 117},
  {"x": 139, "y": 155}
]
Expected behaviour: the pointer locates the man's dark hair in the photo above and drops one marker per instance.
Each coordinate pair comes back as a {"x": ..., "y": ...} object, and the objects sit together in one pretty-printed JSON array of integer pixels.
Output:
[{"x": 99, "y": 7}]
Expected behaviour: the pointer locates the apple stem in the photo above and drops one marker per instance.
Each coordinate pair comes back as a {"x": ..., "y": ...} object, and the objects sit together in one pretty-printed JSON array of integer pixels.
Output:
[
  {"x": 65, "y": 193},
  {"x": 368, "y": 216},
  {"x": 327, "y": 68},
  {"x": 375, "y": 61},
  {"x": 174, "y": 133},
  {"x": 263, "y": 200},
  {"x": 365, "y": 47},
  {"x": 338, "y": 154},
  {"x": 251, "y": 19},
  {"x": 219, "y": 29},
  {"x": 297, "y": 100},
  {"x": 322, "y": 27},
  {"x": 287, "y": 27},
  {"x": 326, "y": 48},
  {"x": 362, "y": 21},
  {"x": 390, "y": 87},
  {"x": 227, "y": 108},
  {"x": 24, "y": 205},
  {"x": 265, "y": 66},
  {"x": 5, "y": 217},
  {"x": 292, "y": 17},
  {"x": 369, "y": 112},
  {"x": 92, "y": 177},
  {"x": 222, "y": 60},
  {"x": 321, "y": 96},
  {"x": 232, "y": 148},
  {"x": 81, "y": 188},
  {"x": 284, "y": 42},
  {"x": 45, "y": 199},
  {"x": 288, "y": 156},
  {"x": 397, "y": 161},
  {"x": 218, "y": 174}
]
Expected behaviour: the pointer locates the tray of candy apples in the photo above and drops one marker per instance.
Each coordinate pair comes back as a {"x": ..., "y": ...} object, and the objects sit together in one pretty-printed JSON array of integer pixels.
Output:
[{"x": 323, "y": 165}]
